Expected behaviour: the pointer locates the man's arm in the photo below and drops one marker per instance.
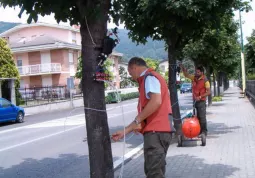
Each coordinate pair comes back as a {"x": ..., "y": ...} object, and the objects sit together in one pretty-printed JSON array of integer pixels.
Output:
[
  {"x": 186, "y": 74},
  {"x": 152, "y": 106},
  {"x": 208, "y": 89}
]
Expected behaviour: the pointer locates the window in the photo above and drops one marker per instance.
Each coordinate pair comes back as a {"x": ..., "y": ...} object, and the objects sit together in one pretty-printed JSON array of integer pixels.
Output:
[
  {"x": 71, "y": 64},
  {"x": 19, "y": 61},
  {"x": 74, "y": 37},
  {"x": 70, "y": 57},
  {"x": 163, "y": 68},
  {"x": 4, "y": 103}
]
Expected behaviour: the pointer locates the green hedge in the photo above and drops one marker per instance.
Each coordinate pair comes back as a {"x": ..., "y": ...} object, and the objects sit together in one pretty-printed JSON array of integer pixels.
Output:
[
  {"x": 251, "y": 77},
  {"x": 217, "y": 98},
  {"x": 129, "y": 96},
  {"x": 123, "y": 97}
]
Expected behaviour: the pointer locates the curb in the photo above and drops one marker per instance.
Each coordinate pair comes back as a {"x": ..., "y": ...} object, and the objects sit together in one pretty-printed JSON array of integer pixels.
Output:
[
  {"x": 127, "y": 157},
  {"x": 131, "y": 154}
]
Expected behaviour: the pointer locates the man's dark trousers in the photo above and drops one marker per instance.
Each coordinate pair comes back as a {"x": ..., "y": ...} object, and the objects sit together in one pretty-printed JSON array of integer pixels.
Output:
[
  {"x": 201, "y": 114},
  {"x": 156, "y": 145}
]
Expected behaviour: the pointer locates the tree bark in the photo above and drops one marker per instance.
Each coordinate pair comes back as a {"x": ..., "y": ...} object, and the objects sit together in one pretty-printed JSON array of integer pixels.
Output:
[
  {"x": 172, "y": 84},
  {"x": 208, "y": 75},
  {"x": 214, "y": 85},
  {"x": 98, "y": 137},
  {"x": 218, "y": 85}
]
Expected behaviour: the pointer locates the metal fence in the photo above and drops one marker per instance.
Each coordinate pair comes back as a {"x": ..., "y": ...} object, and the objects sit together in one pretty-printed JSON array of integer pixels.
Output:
[
  {"x": 250, "y": 90},
  {"x": 45, "y": 95}
]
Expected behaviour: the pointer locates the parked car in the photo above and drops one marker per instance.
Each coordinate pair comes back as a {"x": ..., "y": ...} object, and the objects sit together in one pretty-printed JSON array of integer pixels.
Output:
[
  {"x": 10, "y": 112},
  {"x": 186, "y": 87}
]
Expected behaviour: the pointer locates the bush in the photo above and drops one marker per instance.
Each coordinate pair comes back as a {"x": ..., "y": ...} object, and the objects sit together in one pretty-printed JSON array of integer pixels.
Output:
[
  {"x": 129, "y": 96},
  {"x": 123, "y": 97},
  {"x": 217, "y": 98},
  {"x": 251, "y": 77}
]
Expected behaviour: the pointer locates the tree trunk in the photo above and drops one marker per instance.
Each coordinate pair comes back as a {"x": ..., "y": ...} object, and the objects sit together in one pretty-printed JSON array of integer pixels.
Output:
[
  {"x": 98, "y": 137},
  {"x": 214, "y": 85},
  {"x": 172, "y": 85},
  {"x": 219, "y": 82},
  {"x": 208, "y": 75}
]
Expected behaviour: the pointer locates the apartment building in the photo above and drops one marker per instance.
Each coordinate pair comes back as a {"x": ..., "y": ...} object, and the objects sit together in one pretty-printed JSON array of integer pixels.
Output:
[{"x": 47, "y": 54}]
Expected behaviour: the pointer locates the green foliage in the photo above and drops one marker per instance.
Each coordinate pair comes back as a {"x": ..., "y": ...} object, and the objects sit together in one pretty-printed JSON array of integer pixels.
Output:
[
  {"x": 168, "y": 19},
  {"x": 128, "y": 96},
  {"x": 124, "y": 79},
  {"x": 123, "y": 97},
  {"x": 217, "y": 48},
  {"x": 79, "y": 68},
  {"x": 250, "y": 53},
  {"x": 152, "y": 63},
  {"x": 217, "y": 98},
  {"x": 165, "y": 75},
  {"x": 8, "y": 69},
  {"x": 107, "y": 65},
  {"x": 251, "y": 76}
]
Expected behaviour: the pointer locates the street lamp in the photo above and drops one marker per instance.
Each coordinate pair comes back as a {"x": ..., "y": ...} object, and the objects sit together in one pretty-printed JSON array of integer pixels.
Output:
[{"x": 242, "y": 54}]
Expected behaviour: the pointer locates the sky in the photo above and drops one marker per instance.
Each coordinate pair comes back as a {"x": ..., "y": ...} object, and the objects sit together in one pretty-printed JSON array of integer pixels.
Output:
[{"x": 11, "y": 15}]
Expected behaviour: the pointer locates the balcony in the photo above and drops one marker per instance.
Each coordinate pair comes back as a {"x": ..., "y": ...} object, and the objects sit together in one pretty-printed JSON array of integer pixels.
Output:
[{"x": 40, "y": 69}]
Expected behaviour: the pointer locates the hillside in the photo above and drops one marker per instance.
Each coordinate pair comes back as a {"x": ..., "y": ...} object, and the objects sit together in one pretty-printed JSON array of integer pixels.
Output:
[
  {"x": 153, "y": 49},
  {"x": 6, "y": 26}
]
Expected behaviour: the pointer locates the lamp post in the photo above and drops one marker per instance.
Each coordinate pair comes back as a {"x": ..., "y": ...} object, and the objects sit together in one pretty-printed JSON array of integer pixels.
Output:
[{"x": 242, "y": 55}]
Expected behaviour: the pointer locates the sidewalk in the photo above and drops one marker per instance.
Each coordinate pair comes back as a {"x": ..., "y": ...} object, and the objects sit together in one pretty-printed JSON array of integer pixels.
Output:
[{"x": 230, "y": 149}]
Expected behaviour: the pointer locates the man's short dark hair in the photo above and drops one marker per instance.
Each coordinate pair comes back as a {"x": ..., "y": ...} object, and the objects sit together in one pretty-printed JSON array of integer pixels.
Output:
[
  {"x": 137, "y": 61},
  {"x": 201, "y": 68}
]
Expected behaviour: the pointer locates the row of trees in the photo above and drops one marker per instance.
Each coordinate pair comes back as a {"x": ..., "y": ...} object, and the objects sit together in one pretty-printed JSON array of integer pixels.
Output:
[
  {"x": 250, "y": 56},
  {"x": 182, "y": 24}
]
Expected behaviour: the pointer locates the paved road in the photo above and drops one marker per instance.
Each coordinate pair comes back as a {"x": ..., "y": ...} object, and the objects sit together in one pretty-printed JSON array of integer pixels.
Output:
[{"x": 54, "y": 144}]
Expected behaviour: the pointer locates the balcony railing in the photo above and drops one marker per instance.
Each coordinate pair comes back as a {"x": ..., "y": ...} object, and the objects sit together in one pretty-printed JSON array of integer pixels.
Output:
[{"x": 39, "y": 69}]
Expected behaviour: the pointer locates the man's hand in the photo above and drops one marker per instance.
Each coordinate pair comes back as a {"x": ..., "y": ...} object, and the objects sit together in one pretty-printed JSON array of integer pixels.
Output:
[
  {"x": 136, "y": 127},
  {"x": 132, "y": 127},
  {"x": 198, "y": 98},
  {"x": 118, "y": 135}
]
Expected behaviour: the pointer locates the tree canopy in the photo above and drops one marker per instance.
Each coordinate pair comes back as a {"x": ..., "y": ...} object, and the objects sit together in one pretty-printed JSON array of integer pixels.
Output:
[
  {"x": 250, "y": 53},
  {"x": 8, "y": 68},
  {"x": 175, "y": 22}
]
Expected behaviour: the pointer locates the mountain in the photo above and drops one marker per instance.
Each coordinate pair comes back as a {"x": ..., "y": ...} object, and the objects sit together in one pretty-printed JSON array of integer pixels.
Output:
[
  {"x": 152, "y": 49},
  {"x": 6, "y": 26}
]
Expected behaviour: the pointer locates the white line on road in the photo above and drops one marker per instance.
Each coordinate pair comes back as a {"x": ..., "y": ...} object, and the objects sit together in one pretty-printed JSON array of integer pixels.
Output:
[
  {"x": 40, "y": 138},
  {"x": 56, "y": 120},
  {"x": 51, "y": 135}
]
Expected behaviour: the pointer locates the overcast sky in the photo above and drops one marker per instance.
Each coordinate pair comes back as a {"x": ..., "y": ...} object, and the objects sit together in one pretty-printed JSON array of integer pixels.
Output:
[{"x": 11, "y": 15}]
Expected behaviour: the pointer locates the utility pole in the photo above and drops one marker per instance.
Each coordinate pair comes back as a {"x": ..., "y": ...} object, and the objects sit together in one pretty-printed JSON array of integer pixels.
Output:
[{"x": 242, "y": 55}]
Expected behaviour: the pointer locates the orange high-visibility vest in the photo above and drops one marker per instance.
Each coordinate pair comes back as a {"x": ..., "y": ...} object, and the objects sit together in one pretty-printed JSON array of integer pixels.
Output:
[
  {"x": 159, "y": 120},
  {"x": 198, "y": 87}
]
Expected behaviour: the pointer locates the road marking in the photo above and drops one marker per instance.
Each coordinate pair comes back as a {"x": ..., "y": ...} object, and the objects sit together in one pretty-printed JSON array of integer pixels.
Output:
[
  {"x": 127, "y": 156},
  {"x": 51, "y": 122},
  {"x": 37, "y": 139},
  {"x": 51, "y": 135}
]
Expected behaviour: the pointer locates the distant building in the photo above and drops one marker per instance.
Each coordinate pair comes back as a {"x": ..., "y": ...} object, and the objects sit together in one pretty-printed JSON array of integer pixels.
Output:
[
  {"x": 47, "y": 54},
  {"x": 164, "y": 67}
]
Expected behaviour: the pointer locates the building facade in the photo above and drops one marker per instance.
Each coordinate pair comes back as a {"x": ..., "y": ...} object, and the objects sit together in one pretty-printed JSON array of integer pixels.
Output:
[{"x": 47, "y": 54}]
